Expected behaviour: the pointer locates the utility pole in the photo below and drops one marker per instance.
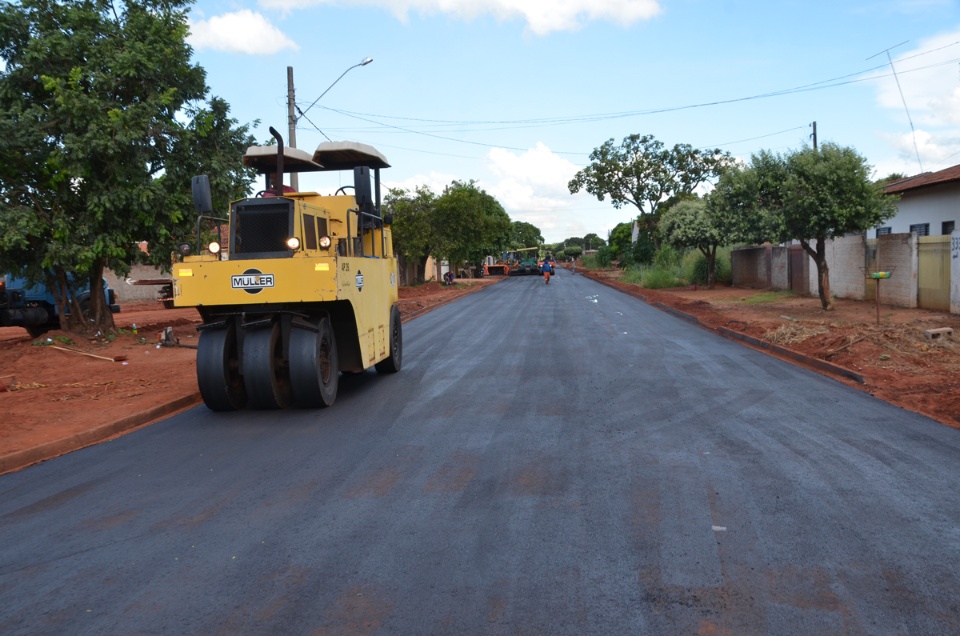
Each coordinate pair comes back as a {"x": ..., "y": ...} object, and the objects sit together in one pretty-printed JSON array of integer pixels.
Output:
[
  {"x": 814, "y": 124},
  {"x": 292, "y": 113},
  {"x": 291, "y": 127}
]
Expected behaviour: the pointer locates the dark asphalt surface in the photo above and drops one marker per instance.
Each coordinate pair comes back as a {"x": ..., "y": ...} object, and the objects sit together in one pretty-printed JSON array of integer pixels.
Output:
[{"x": 552, "y": 459}]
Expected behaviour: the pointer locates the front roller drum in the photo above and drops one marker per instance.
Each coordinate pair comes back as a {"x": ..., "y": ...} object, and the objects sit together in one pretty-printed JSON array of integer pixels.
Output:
[
  {"x": 218, "y": 370},
  {"x": 314, "y": 366},
  {"x": 266, "y": 374}
]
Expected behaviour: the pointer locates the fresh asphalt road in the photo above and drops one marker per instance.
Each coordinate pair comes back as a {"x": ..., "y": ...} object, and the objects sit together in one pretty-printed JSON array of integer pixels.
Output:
[{"x": 552, "y": 459}]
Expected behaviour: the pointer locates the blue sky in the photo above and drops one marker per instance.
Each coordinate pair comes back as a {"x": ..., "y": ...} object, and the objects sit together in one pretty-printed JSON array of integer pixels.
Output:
[{"x": 516, "y": 94}]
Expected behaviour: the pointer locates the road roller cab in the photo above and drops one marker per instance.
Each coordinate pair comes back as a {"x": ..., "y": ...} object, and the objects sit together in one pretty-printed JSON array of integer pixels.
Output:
[{"x": 292, "y": 287}]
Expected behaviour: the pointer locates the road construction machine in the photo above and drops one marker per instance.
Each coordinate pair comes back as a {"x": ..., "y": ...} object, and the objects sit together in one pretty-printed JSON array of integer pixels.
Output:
[
  {"x": 295, "y": 287},
  {"x": 502, "y": 266},
  {"x": 527, "y": 262}
]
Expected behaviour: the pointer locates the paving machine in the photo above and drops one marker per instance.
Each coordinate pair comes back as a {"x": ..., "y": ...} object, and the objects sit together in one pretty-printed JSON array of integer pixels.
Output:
[
  {"x": 295, "y": 287},
  {"x": 527, "y": 262}
]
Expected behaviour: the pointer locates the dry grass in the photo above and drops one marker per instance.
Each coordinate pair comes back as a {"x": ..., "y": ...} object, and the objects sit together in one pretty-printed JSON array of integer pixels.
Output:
[{"x": 785, "y": 335}]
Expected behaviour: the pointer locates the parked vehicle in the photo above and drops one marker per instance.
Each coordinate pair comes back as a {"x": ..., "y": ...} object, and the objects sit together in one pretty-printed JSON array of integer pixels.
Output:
[{"x": 34, "y": 308}]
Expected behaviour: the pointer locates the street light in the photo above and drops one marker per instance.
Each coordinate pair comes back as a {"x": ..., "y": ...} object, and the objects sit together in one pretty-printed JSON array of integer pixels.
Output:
[
  {"x": 363, "y": 62},
  {"x": 291, "y": 105}
]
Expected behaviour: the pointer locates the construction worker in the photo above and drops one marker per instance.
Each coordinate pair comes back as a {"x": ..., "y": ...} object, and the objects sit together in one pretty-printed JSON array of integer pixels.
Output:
[{"x": 546, "y": 269}]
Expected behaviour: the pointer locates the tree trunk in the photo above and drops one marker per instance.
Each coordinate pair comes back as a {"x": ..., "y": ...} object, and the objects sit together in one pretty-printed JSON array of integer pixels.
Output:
[
  {"x": 102, "y": 316},
  {"x": 421, "y": 271},
  {"x": 819, "y": 256},
  {"x": 711, "y": 256}
]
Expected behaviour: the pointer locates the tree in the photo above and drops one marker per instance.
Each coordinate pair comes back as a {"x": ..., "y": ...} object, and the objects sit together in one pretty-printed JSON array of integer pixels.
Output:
[
  {"x": 593, "y": 242},
  {"x": 103, "y": 121},
  {"x": 689, "y": 224},
  {"x": 890, "y": 178},
  {"x": 641, "y": 172},
  {"x": 414, "y": 237},
  {"x": 810, "y": 196},
  {"x": 469, "y": 224},
  {"x": 523, "y": 234},
  {"x": 621, "y": 239}
]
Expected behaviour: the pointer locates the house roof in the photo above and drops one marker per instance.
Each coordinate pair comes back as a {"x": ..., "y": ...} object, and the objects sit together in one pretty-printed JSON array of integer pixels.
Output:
[{"x": 926, "y": 179}]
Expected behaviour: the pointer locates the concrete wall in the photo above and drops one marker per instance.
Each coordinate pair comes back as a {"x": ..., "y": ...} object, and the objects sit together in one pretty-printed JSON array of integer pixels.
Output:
[
  {"x": 136, "y": 293},
  {"x": 780, "y": 267},
  {"x": 845, "y": 257},
  {"x": 767, "y": 267},
  {"x": 898, "y": 253},
  {"x": 750, "y": 267},
  {"x": 762, "y": 267}
]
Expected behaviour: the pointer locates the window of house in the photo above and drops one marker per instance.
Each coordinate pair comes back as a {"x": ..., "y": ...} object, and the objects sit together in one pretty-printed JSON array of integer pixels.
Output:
[
  {"x": 947, "y": 227},
  {"x": 884, "y": 230},
  {"x": 921, "y": 229}
]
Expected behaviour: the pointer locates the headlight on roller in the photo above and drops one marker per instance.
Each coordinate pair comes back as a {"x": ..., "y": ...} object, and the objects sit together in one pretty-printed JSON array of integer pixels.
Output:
[
  {"x": 214, "y": 247},
  {"x": 325, "y": 242},
  {"x": 293, "y": 243}
]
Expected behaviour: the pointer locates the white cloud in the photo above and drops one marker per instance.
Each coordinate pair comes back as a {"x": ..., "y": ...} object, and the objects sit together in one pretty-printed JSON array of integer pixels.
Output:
[
  {"x": 532, "y": 187},
  {"x": 436, "y": 181},
  {"x": 240, "y": 32},
  {"x": 937, "y": 151},
  {"x": 542, "y": 16},
  {"x": 929, "y": 89}
]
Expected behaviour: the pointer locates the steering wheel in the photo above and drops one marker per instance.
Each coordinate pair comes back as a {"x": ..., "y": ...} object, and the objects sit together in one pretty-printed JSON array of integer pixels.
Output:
[
  {"x": 342, "y": 190},
  {"x": 260, "y": 195}
]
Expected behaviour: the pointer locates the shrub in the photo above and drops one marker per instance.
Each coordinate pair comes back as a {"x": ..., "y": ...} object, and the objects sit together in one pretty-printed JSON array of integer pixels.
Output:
[
  {"x": 653, "y": 277},
  {"x": 694, "y": 267},
  {"x": 660, "y": 278},
  {"x": 667, "y": 257}
]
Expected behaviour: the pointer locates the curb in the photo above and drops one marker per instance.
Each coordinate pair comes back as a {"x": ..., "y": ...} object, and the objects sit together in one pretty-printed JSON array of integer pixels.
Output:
[
  {"x": 813, "y": 363},
  {"x": 817, "y": 363},
  {"x": 21, "y": 459}
]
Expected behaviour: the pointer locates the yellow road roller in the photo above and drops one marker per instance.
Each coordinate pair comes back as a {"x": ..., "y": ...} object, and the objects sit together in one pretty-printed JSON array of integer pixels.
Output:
[{"x": 292, "y": 287}]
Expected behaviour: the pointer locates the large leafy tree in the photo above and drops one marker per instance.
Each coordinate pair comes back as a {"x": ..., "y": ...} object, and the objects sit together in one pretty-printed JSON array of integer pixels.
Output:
[
  {"x": 811, "y": 196},
  {"x": 463, "y": 224},
  {"x": 470, "y": 223},
  {"x": 523, "y": 234},
  {"x": 593, "y": 242},
  {"x": 103, "y": 120},
  {"x": 414, "y": 235},
  {"x": 642, "y": 172}
]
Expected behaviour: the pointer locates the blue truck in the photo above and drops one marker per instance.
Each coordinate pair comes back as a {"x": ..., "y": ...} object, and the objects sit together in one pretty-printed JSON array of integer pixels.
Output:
[{"x": 34, "y": 308}]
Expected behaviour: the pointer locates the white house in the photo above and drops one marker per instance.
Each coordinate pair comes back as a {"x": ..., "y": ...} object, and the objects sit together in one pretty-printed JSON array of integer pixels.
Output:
[{"x": 929, "y": 204}]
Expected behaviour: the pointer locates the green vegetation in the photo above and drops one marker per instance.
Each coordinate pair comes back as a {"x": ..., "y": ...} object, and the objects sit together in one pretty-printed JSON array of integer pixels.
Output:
[
  {"x": 464, "y": 224},
  {"x": 105, "y": 121},
  {"x": 643, "y": 173},
  {"x": 810, "y": 196},
  {"x": 768, "y": 297}
]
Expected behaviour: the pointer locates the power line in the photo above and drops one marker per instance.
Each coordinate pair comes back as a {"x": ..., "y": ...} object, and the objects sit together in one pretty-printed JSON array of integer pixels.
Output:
[
  {"x": 376, "y": 119},
  {"x": 820, "y": 85},
  {"x": 903, "y": 99}
]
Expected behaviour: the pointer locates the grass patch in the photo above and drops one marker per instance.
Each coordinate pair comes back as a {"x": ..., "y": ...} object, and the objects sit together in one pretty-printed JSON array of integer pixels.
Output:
[
  {"x": 653, "y": 276},
  {"x": 769, "y": 297}
]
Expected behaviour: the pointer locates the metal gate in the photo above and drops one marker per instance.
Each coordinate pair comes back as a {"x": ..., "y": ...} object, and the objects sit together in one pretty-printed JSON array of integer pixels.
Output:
[{"x": 933, "y": 272}]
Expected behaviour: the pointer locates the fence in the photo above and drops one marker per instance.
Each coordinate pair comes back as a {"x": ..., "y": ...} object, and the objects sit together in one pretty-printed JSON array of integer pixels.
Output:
[{"x": 926, "y": 270}]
